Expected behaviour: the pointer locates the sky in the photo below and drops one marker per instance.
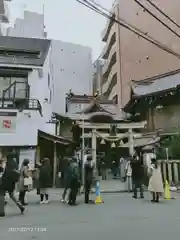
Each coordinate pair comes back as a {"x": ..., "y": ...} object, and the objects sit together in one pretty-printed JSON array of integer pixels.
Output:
[{"x": 67, "y": 20}]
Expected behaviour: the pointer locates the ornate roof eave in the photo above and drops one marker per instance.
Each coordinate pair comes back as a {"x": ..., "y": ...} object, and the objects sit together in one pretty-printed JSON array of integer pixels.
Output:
[{"x": 136, "y": 98}]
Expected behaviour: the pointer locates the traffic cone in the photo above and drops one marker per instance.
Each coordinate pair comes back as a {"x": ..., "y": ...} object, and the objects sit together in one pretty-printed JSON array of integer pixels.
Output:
[
  {"x": 167, "y": 192},
  {"x": 98, "y": 199}
]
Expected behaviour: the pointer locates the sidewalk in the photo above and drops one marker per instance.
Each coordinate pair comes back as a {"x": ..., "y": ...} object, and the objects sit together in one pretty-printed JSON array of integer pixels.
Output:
[{"x": 106, "y": 186}]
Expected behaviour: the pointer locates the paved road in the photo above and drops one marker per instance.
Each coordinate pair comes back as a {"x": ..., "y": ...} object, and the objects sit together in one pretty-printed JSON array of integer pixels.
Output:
[{"x": 120, "y": 217}]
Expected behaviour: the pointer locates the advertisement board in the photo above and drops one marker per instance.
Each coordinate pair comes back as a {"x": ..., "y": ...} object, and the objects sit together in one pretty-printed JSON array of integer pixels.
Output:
[{"x": 8, "y": 122}]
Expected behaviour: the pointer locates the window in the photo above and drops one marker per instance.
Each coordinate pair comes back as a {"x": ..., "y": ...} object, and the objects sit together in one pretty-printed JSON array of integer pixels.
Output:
[
  {"x": 11, "y": 86},
  {"x": 19, "y": 53}
]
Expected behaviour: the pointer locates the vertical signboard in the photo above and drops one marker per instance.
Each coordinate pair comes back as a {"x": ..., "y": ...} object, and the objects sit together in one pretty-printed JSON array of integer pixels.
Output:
[{"x": 8, "y": 122}]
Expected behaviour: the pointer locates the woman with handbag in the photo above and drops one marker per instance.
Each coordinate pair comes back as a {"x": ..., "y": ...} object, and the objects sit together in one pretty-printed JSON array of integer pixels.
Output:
[
  {"x": 9, "y": 179},
  {"x": 23, "y": 181}
]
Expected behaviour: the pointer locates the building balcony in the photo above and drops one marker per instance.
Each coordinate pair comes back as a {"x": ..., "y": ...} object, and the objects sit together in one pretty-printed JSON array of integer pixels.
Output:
[
  {"x": 110, "y": 62},
  {"x": 108, "y": 80},
  {"x": 112, "y": 85},
  {"x": 4, "y": 12},
  {"x": 107, "y": 29},
  {"x": 107, "y": 48},
  {"x": 21, "y": 104},
  {"x": 113, "y": 92}
]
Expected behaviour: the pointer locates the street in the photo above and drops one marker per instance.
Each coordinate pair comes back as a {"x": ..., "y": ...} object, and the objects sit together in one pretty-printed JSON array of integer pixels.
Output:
[{"x": 120, "y": 217}]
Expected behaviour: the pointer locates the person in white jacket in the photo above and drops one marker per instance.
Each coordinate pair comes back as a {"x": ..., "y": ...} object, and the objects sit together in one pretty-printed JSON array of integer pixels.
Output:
[
  {"x": 155, "y": 182},
  {"x": 128, "y": 171}
]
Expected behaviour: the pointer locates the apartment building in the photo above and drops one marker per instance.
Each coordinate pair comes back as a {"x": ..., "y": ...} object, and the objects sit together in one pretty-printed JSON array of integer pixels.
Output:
[
  {"x": 24, "y": 109},
  {"x": 31, "y": 25},
  {"x": 4, "y": 11},
  {"x": 130, "y": 57},
  {"x": 98, "y": 76},
  {"x": 111, "y": 69}
]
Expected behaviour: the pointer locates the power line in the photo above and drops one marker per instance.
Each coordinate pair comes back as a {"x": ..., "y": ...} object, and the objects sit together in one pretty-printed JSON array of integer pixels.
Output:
[
  {"x": 129, "y": 27},
  {"x": 163, "y": 13},
  {"x": 158, "y": 19}
]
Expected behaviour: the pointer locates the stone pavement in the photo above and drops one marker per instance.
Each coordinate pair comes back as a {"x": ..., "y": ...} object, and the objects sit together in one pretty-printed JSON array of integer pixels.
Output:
[{"x": 120, "y": 217}]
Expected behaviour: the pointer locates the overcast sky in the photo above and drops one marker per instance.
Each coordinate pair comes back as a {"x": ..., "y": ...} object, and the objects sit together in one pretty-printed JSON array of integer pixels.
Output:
[{"x": 67, "y": 20}]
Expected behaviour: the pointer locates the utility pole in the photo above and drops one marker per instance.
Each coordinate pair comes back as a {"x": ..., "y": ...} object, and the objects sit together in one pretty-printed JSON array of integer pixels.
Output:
[{"x": 83, "y": 148}]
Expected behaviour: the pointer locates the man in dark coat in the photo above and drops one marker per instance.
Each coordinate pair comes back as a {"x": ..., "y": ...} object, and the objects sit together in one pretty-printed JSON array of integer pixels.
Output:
[
  {"x": 9, "y": 179},
  {"x": 74, "y": 181},
  {"x": 137, "y": 175},
  {"x": 88, "y": 177},
  {"x": 45, "y": 180},
  {"x": 67, "y": 179}
]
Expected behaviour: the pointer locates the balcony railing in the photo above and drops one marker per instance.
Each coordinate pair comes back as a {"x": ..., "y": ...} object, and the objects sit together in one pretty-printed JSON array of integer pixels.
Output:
[
  {"x": 21, "y": 104},
  {"x": 18, "y": 98}
]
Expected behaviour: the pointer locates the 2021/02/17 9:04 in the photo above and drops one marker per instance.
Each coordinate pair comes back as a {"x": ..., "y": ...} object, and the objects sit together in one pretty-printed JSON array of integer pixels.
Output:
[{"x": 28, "y": 229}]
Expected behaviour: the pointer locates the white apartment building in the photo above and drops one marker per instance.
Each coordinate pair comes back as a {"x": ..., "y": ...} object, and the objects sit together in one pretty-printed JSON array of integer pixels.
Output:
[
  {"x": 30, "y": 26},
  {"x": 25, "y": 94},
  {"x": 71, "y": 64}
]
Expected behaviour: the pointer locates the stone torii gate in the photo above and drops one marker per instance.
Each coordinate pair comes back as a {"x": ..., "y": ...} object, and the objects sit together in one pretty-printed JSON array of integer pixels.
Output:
[{"x": 94, "y": 134}]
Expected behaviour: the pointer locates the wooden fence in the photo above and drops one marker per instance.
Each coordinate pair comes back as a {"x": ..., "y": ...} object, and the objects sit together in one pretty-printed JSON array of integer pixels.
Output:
[{"x": 171, "y": 171}]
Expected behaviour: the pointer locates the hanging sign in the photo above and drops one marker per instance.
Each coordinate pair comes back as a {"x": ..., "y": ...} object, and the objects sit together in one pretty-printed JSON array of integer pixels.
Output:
[{"x": 8, "y": 122}]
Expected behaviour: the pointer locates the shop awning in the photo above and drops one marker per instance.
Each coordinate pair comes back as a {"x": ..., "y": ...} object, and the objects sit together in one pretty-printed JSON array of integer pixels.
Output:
[{"x": 54, "y": 138}]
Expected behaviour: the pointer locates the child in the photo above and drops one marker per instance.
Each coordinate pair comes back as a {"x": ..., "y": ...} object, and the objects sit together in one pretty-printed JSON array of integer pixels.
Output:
[{"x": 155, "y": 181}]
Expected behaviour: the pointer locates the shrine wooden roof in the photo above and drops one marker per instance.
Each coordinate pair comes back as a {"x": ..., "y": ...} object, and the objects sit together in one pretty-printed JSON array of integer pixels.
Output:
[
  {"x": 159, "y": 83},
  {"x": 153, "y": 89},
  {"x": 86, "y": 106}
]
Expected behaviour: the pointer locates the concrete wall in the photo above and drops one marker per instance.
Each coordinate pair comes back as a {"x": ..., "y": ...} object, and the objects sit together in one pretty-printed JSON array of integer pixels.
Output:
[
  {"x": 141, "y": 59},
  {"x": 72, "y": 69}
]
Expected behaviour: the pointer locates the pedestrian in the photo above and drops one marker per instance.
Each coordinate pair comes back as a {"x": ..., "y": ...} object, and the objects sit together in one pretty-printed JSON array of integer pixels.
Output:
[
  {"x": 10, "y": 178},
  {"x": 67, "y": 179},
  {"x": 74, "y": 181},
  {"x": 104, "y": 170},
  {"x": 88, "y": 177},
  {"x": 155, "y": 182},
  {"x": 137, "y": 175},
  {"x": 23, "y": 188},
  {"x": 2, "y": 194},
  {"x": 37, "y": 171},
  {"x": 44, "y": 181},
  {"x": 128, "y": 170}
]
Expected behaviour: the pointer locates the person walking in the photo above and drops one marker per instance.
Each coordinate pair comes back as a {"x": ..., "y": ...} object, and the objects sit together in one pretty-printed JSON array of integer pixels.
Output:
[
  {"x": 67, "y": 180},
  {"x": 128, "y": 170},
  {"x": 155, "y": 186},
  {"x": 74, "y": 181},
  {"x": 88, "y": 177},
  {"x": 23, "y": 188},
  {"x": 137, "y": 175},
  {"x": 2, "y": 194},
  {"x": 9, "y": 179},
  {"x": 44, "y": 181}
]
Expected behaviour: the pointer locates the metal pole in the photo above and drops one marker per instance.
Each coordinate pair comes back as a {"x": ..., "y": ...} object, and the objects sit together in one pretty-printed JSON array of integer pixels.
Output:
[
  {"x": 55, "y": 165},
  {"x": 83, "y": 148}
]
